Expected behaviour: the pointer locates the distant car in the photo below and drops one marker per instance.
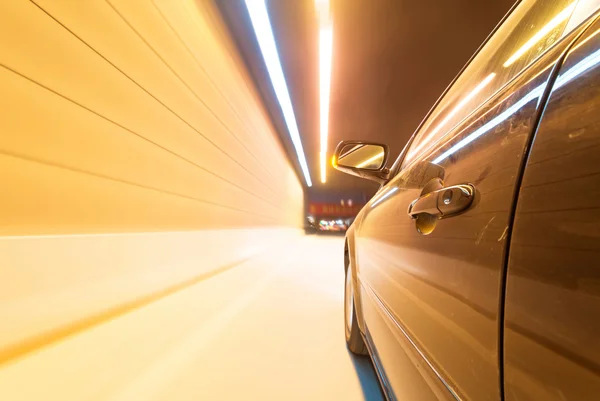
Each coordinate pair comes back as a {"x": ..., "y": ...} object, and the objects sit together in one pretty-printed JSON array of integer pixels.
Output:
[
  {"x": 336, "y": 225},
  {"x": 474, "y": 272}
]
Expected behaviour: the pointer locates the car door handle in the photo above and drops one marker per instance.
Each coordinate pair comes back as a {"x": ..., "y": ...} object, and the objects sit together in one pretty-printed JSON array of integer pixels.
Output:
[{"x": 443, "y": 202}]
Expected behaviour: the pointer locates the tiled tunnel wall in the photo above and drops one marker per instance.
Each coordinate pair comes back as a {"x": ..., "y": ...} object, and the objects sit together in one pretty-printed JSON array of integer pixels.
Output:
[{"x": 135, "y": 156}]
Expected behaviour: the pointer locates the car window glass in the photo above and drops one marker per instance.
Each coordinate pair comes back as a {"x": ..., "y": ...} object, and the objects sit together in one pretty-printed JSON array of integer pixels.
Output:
[
  {"x": 532, "y": 28},
  {"x": 584, "y": 9}
]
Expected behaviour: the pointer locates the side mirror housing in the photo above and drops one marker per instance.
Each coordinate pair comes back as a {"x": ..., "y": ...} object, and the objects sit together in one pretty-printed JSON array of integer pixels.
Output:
[{"x": 362, "y": 159}]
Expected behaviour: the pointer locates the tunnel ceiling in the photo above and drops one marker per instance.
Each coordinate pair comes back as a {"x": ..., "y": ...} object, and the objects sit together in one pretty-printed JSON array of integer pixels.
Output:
[{"x": 391, "y": 61}]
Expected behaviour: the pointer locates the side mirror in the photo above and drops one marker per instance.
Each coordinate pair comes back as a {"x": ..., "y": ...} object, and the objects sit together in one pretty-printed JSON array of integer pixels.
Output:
[{"x": 362, "y": 159}]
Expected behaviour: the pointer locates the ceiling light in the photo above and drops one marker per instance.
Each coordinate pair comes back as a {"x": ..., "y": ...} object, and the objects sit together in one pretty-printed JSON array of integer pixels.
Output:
[
  {"x": 325, "y": 54},
  {"x": 266, "y": 41}
]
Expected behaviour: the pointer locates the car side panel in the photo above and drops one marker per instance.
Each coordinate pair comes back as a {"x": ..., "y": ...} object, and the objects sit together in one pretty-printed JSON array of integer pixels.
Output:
[
  {"x": 552, "y": 316},
  {"x": 418, "y": 381},
  {"x": 350, "y": 253},
  {"x": 441, "y": 293}
]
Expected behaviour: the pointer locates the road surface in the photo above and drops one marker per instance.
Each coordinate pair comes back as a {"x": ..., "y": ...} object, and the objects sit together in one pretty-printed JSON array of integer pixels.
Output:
[{"x": 270, "y": 328}]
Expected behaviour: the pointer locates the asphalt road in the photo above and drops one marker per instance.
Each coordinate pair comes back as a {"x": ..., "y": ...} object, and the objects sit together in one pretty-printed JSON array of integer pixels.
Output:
[{"x": 270, "y": 328}]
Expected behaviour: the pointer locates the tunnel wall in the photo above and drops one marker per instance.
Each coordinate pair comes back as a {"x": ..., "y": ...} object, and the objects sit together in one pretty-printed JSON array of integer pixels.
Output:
[{"x": 136, "y": 157}]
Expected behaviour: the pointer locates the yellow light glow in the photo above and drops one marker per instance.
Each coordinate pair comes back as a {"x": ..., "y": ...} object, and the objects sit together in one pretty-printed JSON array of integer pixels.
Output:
[
  {"x": 372, "y": 159},
  {"x": 322, "y": 7},
  {"x": 546, "y": 29},
  {"x": 325, "y": 54},
  {"x": 459, "y": 106}
]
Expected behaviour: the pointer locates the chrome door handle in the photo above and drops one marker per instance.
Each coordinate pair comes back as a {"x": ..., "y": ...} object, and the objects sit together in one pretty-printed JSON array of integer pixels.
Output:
[{"x": 443, "y": 202}]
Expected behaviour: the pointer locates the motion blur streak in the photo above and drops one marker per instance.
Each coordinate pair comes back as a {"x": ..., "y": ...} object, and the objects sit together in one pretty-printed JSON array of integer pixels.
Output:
[
  {"x": 264, "y": 34},
  {"x": 137, "y": 162},
  {"x": 325, "y": 55},
  {"x": 207, "y": 341}
]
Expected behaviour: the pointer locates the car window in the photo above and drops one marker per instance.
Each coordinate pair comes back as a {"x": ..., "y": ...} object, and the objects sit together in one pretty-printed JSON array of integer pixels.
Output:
[
  {"x": 531, "y": 29},
  {"x": 584, "y": 9}
]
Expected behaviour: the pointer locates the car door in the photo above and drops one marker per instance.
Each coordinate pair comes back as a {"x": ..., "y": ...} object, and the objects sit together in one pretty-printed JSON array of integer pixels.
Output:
[
  {"x": 552, "y": 312},
  {"x": 431, "y": 284}
]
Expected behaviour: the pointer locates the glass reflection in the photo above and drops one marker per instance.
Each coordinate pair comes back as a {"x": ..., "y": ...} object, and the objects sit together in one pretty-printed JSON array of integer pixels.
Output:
[
  {"x": 567, "y": 76},
  {"x": 539, "y": 35},
  {"x": 364, "y": 156}
]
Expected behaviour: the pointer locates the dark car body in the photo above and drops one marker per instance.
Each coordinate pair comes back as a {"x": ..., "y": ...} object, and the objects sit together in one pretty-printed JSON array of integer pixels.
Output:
[{"x": 498, "y": 299}]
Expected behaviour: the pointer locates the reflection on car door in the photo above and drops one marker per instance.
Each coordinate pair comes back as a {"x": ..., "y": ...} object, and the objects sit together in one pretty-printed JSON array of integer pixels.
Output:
[
  {"x": 551, "y": 337},
  {"x": 430, "y": 288}
]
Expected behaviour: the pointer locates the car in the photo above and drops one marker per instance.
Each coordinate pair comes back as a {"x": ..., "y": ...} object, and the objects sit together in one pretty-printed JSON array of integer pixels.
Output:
[
  {"x": 474, "y": 271},
  {"x": 333, "y": 225}
]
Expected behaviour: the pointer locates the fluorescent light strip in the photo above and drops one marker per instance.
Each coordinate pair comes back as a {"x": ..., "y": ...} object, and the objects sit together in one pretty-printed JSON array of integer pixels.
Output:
[
  {"x": 266, "y": 41},
  {"x": 325, "y": 53},
  {"x": 546, "y": 29}
]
